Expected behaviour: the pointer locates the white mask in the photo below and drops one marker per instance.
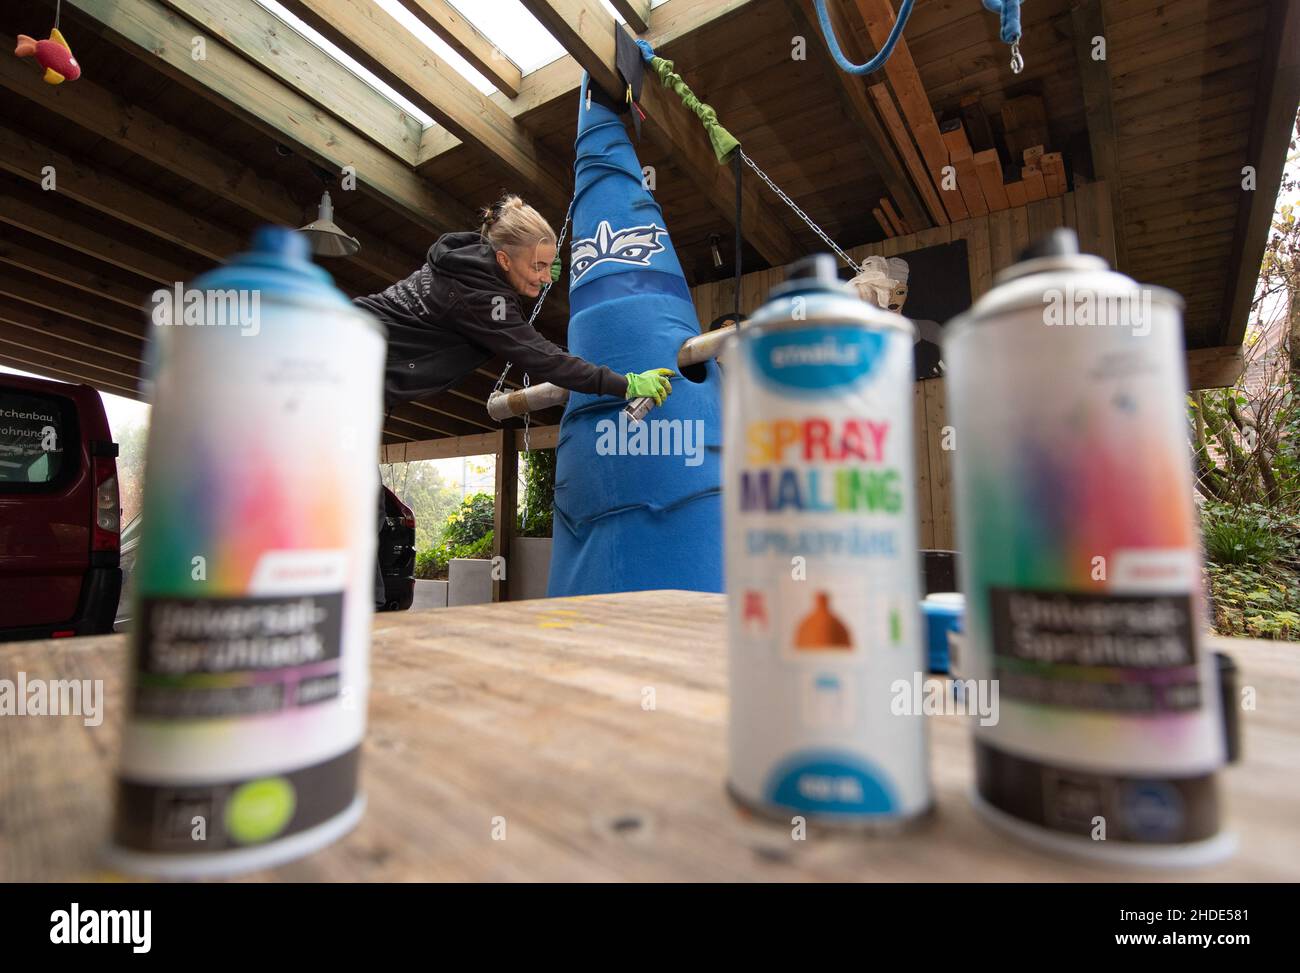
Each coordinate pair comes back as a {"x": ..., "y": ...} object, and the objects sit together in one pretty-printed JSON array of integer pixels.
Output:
[{"x": 883, "y": 282}]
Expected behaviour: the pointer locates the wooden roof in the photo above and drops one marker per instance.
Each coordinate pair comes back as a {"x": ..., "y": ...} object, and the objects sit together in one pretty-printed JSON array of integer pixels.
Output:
[{"x": 166, "y": 163}]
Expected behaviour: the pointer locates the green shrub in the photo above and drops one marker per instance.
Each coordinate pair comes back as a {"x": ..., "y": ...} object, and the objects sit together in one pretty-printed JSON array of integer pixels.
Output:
[
  {"x": 431, "y": 565},
  {"x": 1253, "y": 571},
  {"x": 471, "y": 521},
  {"x": 1238, "y": 536},
  {"x": 481, "y": 548},
  {"x": 539, "y": 493},
  {"x": 1255, "y": 604},
  {"x": 427, "y": 566}
]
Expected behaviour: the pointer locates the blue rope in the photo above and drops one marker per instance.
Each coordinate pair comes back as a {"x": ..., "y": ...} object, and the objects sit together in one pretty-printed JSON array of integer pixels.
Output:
[
  {"x": 881, "y": 56},
  {"x": 1009, "y": 11}
]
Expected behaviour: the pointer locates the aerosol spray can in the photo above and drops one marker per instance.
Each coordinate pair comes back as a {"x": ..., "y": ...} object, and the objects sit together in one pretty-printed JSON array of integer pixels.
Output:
[
  {"x": 246, "y": 700},
  {"x": 821, "y": 558},
  {"x": 1081, "y": 563}
]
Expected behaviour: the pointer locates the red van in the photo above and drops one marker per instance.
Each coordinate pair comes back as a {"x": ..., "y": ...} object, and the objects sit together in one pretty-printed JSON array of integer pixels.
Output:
[{"x": 60, "y": 519}]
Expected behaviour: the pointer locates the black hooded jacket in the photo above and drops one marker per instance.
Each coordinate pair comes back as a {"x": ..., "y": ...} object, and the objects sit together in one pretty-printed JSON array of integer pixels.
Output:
[{"x": 455, "y": 313}]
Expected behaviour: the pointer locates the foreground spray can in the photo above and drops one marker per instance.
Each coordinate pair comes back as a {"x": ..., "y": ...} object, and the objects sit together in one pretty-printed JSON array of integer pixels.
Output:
[
  {"x": 254, "y": 579},
  {"x": 821, "y": 558},
  {"x": 1081, "y": 562}
]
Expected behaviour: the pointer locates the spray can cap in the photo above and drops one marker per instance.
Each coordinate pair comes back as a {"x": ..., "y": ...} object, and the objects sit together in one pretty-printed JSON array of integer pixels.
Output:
[
  {"x": 1056, "y": 250},
  {"x": 276, "y": 263}
]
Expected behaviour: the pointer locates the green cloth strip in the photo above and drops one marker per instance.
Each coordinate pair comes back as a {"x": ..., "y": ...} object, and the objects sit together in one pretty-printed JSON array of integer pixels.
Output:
[{"x": 723, "y": 142}]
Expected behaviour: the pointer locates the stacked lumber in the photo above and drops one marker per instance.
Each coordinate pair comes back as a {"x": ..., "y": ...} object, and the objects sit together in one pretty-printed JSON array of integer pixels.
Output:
[
  {"x": 887, "y": 216},
  {"x": 986, "y": 185}
]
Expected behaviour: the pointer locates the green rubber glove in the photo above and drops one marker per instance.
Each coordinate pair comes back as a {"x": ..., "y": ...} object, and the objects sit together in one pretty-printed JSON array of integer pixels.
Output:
[
  {"x": 653, "y": 384},
  {"x": 555, "y": 269}
]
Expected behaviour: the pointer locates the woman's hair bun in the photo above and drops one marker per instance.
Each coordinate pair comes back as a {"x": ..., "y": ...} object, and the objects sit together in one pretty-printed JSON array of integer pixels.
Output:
[{"x": 510, "y": 222}]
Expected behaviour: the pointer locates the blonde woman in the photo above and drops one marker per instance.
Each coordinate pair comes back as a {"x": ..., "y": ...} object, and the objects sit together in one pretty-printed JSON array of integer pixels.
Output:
[{"x": 463, "y": 306}]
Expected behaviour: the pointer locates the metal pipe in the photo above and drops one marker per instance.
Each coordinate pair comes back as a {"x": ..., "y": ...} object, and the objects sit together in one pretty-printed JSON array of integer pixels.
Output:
[
  {"x": 694, "y": 350},
  {"x": 533, "y": 398},
  {"x": 702, "y": 347}
]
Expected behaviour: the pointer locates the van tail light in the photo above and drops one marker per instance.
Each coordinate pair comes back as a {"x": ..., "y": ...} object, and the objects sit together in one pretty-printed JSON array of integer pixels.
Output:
[
  {"x": 107, "y": 534},
  {"x": 405, "y": 513}
]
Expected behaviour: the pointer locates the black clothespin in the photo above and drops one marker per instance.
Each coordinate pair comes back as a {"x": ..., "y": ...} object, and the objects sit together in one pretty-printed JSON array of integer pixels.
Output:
[{"x": 628, "y": 60}]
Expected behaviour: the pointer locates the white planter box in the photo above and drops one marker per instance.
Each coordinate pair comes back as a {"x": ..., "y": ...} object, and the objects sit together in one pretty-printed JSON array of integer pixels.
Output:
[
  {"x": 469, "y": 581},
  {"x": 429, "y": 594},
  {"x": 529, "y": 567}
]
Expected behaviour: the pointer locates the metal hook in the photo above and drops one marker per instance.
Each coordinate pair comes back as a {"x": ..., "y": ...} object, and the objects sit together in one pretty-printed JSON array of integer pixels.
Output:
[{"x": 1017, "y": 62}]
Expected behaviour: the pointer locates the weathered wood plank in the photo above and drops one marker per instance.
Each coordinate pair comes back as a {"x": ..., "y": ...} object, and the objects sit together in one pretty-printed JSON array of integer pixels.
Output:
[
  {"x": 98, "y": 110},
  {"x": 530, "y": 712},
  {"x": 273, "y": 45},
  {"x": 467, "y": 41},
  {"x": 163, "y": 39},
  {"x": 1272, "y": 129}
]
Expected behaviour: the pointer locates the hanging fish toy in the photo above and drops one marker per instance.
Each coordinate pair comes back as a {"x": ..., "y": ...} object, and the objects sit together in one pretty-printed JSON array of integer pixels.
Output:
[{"x": 53, "y": 55}]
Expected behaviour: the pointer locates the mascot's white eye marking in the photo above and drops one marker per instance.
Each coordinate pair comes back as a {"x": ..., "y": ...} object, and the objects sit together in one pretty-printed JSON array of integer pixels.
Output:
[{"x": 633, "y": 245}]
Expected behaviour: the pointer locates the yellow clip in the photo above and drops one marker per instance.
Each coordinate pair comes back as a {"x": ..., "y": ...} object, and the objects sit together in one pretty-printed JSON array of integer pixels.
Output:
[{"x": 629, "y": 94}]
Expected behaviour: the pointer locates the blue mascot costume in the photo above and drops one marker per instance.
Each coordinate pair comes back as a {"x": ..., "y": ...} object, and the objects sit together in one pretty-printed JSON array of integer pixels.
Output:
[{"x": 626, "y": 520}]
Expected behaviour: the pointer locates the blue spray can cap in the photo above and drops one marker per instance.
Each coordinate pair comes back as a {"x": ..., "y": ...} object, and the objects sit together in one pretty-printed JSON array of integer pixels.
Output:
[{"x": 277, "y": 263}]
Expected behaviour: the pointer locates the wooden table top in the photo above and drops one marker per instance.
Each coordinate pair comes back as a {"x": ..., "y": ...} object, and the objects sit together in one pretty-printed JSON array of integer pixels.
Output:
[{"x": 532, "y": 712}]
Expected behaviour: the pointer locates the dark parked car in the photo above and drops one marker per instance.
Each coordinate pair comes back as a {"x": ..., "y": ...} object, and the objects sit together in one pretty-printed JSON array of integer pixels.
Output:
[
  {"x": 396, "y": 558},
  {"x": 59, "y": 512},
  {"x": 397, "y": 553}
]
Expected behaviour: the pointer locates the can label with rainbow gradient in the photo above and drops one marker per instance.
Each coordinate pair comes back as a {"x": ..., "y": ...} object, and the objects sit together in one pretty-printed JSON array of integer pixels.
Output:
[
  {"x": 254, "y": 580},
  {"x": 1081, "y": 565},
  {"x": 821, "y": 559}
]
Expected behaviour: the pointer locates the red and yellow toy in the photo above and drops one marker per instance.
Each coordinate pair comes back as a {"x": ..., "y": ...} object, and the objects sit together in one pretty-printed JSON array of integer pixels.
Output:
[{"x": 53, "y": 55}]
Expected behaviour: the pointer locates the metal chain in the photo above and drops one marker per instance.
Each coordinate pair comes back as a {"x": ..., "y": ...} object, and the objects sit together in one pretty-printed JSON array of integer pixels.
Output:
[
  {"x": 527, "y": 447},
  {"x": 800, "y": 213},
  {"x": 501, "y": 380}
]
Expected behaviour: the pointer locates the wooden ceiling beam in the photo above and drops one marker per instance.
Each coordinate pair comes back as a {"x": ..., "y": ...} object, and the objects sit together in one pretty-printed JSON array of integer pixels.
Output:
[
  {"x": 62, "y": 371},
  {"x": 1272, "y": 129},
  {"x": 126, "y": 348},
  {"x": 48, "y": 221},
  {"x": 163, "y": 39},
  {"x": 637, "y": 13},
  {"x": 121, "y": 331},
  {"x": 561, "y": 79},
  {"x": 1088, "y": 22},
  {"x": 453, "y": 406},
  {"x": 586, "y": 30},
  {"x": 43, "y": 355},
  {"x": 466, "y": 40},
  {"x": 98, "y": 110},
  {"x": 881, "y": 153},
  {"x": 99, "y": 190},
  {"x": 275, "y": 46},
  {"x": 1214, "y": 368},
  {"x": 384, "y": 46},
  {"x": 878, "y": 18},
  {"x": 37, "y": 255}
]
